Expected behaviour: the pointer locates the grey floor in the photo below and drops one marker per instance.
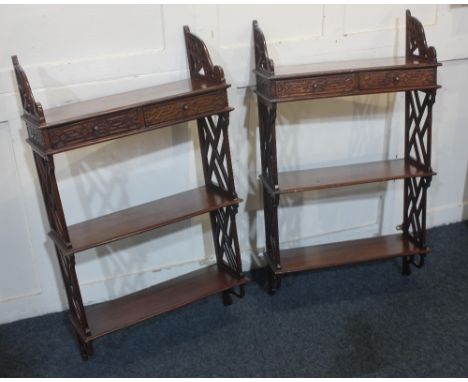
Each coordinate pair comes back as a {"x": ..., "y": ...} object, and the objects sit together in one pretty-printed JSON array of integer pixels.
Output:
[{"x": 366, "y": 321}]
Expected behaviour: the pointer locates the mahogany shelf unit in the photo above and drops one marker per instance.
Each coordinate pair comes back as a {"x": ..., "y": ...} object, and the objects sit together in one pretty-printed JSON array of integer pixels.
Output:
[
  {"x": 202, "y": 97},
  {"x": 416, "y": 75}
]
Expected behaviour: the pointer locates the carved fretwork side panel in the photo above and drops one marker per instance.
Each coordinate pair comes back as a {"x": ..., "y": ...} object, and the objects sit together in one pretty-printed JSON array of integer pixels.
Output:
[
  {"x": 262, "y": 61},
  {"x": 414, "y": 224},
  {"x": 217, "y": 169},
  {"x": 199, "y": 60},
  {"x": 34, "y": 117},
  {"x": 215, "y": 151},
  {"x": 419, "y": 126},
  {"x": 416, "y": 45},
  {"x": 418, "y": 136},
  {"x": 223, "y": 222},
  {"x": 266, "y": 120},
  {"x": 216, "y": 159},
  {"x": 31, "y": 108},
  {"x": 270, "y": 210},
  {"x": 70, "y": 279},
  {"x": 267, "y": 130},
  {"x": 46, "y": 173}
]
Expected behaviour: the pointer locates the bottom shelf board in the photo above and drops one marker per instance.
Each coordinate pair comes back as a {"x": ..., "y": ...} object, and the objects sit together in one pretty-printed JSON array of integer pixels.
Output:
[
  {"x": 116, "y": 314},
  {"x": 347, "y": 252}
]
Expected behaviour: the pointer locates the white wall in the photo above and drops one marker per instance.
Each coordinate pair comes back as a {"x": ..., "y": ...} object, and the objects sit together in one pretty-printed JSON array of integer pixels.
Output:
[{"x": 72, "y": 53}]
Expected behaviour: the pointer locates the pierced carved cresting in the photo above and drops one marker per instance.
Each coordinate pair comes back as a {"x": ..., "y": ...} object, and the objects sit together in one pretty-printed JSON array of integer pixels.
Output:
[
  {"x": 262, "y": 60},
  {"x": 199, "y": 60},
  {"x": 416, "y": 45},
  {"x": 31, "y": 108}
]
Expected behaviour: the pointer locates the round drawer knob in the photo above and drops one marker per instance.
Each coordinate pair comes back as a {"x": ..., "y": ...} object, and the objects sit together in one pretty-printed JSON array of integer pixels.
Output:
[
  {"x": 397, "y": 78},
  {"x": 185, "y": 107},
  {"x": 95, "y": 127},
  {"x": 315, "y": 86}
]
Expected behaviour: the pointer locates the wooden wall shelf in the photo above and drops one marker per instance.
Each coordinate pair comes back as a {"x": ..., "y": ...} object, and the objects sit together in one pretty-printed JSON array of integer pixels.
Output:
[
  {"x": 416, "y": 75},
  {"x": 203, "y": 97}
]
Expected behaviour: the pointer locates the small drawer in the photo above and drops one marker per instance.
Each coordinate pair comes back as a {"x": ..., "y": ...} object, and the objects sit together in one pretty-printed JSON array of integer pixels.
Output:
[
  {"x": 90, "y": 130},
  {"x": 182, "y": 110},
  {"x": 324, "y": 85},
  {"x": 394, "y": 79}
]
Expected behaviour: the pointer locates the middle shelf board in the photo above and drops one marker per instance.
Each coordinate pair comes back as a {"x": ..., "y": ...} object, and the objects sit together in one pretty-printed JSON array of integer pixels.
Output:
[
  {"x": 161, "y": 298},
  {"x": 348, "y": 175},
  {"x": 145, "y": 217}
]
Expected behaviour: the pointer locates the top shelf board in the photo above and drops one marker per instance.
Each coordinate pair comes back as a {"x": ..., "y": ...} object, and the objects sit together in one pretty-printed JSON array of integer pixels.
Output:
[
  {"x": 350, "y": 66},
  {"x": 127, "y": 100}
]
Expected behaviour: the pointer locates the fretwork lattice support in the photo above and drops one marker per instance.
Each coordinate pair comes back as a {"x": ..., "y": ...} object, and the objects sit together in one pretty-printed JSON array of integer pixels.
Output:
[
  {"x": 267, "y": 118},
  {"x": 217, "y": 170},
  {"x": 418, "y": 143},
  {"x": 46, "y": 172}
]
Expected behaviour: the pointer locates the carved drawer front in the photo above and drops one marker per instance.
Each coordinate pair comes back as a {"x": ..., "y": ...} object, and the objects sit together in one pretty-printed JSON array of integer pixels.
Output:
[
  {"x": 92, "y": 129},
  {"x": 324, "y": 85},
  {"x": 417, "y": 78},
  {"x": 181, "y": 110}
]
